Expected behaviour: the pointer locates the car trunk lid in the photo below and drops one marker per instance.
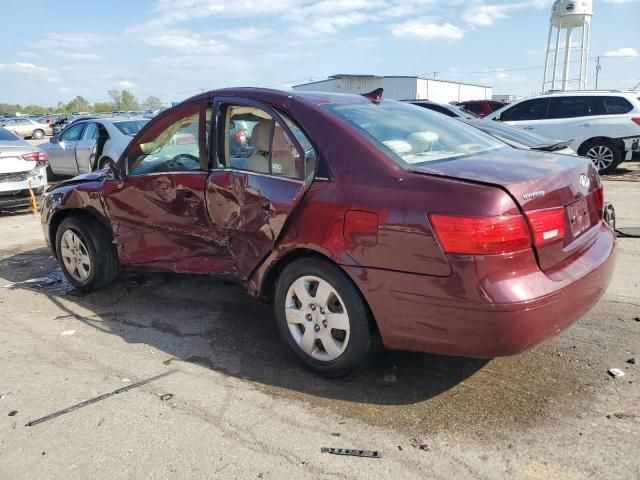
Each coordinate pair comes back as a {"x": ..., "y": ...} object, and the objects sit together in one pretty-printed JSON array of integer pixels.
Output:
[
  {"x": 11, "y": 160},
  {"x": 536, "y": 181}
]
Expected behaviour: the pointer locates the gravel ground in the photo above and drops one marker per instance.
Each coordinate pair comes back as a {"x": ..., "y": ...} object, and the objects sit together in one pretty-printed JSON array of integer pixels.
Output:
[{"x": 244, "y": 408}]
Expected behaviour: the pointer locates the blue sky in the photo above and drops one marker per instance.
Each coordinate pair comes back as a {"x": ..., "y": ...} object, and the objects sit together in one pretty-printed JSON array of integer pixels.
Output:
[{"x": 173, "y": 48}]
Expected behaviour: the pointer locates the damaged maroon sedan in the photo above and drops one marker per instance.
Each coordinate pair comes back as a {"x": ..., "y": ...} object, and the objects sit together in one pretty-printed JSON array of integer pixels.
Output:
[{"x": 367, "y": 223}]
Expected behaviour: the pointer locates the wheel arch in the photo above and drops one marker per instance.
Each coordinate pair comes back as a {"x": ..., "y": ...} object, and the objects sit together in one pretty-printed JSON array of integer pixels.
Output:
[
  {"x": 582, "y": 149},
  {"x": 59, "y": 215}
]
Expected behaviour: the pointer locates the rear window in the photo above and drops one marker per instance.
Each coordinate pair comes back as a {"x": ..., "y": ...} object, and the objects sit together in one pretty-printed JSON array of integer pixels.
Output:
[
  {"x": 6, "y": 135},
  {"x": 616, "y": 105},
  {"x": 131, "y": 127},
  {"x": 412, "y": 135}
]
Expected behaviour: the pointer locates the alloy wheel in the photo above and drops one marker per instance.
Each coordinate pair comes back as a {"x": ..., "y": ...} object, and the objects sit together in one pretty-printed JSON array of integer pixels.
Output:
[
  {"x": 317, "y": 318},
  {"x": 75, "y": 255},
  {"x": 601, "y": 156}
]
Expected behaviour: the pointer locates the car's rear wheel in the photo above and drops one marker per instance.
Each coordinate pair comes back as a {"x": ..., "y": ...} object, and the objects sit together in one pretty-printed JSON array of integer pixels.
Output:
[
  {"x": 87, "y": 257},
  {"x": 323, "y": 318},
  {"x": 37, "y": 134},
  {"x": 604, "y": 154}
]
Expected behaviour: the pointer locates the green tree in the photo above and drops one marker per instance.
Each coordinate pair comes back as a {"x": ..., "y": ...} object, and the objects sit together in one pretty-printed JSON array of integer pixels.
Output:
[
  {"x": 151, "y": 103},
  {"x": 36, "y": 109},
  {"x": 78, "y": 104},
  {"x": 129, "y": 101},
  {"x": 116, "y": 98},
  {"x": 101, "y": 107}
]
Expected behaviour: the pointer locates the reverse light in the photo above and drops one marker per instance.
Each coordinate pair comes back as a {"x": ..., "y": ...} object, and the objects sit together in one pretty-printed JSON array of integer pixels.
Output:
[
  {"x": 481, "y": 235},
  {"x": 598, "y": 198},
  {"x": 546, "y": 225}
]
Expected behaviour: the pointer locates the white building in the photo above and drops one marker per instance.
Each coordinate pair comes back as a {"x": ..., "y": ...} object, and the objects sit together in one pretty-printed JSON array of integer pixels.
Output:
[{"x": 400, "y": 87}]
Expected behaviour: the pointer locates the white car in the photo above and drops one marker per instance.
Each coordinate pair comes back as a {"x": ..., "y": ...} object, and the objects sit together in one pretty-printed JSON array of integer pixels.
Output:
[
  {"x": 603, "y": 125},
  {"x": 87, "y": 145},
  {"x": 21, "y": 167}
]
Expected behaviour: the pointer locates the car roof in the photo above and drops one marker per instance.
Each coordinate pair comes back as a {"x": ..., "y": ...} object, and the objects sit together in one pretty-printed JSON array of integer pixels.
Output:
[{"x": 317, "y": 98}]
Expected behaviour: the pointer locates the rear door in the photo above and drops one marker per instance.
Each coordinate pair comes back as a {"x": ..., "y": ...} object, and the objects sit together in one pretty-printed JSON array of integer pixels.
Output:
[
  {"x": 568, "y": 118},
  {"x": 255, "y": 185},
  {"x": 85, "y": 147},
  {"x": 527, "y": 115}
]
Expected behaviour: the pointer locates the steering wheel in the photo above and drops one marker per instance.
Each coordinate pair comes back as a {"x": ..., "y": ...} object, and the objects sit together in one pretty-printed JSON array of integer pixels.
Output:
[{"x": 183, "y": 161}]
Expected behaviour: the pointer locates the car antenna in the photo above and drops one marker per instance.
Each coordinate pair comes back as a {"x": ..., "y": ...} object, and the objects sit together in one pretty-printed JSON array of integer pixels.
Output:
[{"x": 375, "y": 95}]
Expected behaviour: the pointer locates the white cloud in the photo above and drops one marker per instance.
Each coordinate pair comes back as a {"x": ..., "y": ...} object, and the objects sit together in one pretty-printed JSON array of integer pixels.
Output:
[
  {"x": 619, "y": 2},
  {"x": 72, "y": 46},
  {"x": 622, "y": 52},
  {"x": 426, "y": 30},
  {"x": 22, "y": 67},
  {"x": 485, "y": 15},
  {"x": 126, "y": 84},
  {"x": 187, "y": 42}
]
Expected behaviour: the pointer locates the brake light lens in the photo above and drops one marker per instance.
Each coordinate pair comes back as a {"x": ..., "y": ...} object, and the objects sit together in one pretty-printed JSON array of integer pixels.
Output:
[
  {"x": 481, "y": 235},
  {"x": 546, "y": 225},
  {"x": 636, "y": 121},
  {"x": 598, "y": 198},
  {"x": 39, "y": 156}
]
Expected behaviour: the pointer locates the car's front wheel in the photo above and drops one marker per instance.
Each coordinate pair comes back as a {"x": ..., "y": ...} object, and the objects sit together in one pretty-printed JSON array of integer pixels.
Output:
[
  {"x": 37, "y": 134},
  {"x": 323, "y": 318},
  {"x": 87, "y": 257}
]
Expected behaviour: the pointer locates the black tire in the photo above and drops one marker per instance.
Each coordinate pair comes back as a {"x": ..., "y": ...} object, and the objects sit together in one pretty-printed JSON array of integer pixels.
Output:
[
  {"x": 591, "y": 149},
  {"x": 50, "y": 175},
  {"x": 104, "y": 267},
  {"x": 364, "y": 340},
  {"x": 37, "y": 134}
]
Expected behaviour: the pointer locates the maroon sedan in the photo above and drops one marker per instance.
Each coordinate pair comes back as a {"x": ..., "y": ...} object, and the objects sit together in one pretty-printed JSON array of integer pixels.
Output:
[{"x": 366, "y": 223}]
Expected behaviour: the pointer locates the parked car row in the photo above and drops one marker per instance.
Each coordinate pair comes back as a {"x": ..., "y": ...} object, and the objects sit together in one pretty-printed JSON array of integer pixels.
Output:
[
  {"x": 26, "y": 127},
  {"x": 365, "y": 222}
]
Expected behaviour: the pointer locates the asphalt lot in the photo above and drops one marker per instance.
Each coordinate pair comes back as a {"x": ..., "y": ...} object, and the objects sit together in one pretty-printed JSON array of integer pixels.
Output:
[{"x": 242, "y": 407}]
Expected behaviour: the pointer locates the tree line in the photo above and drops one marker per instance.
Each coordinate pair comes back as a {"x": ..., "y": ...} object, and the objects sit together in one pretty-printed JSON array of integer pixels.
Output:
[{"x": 118, "y": 100}]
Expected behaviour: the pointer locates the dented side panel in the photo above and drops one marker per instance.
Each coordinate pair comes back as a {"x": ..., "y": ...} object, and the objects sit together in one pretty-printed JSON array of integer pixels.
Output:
[{"x": 249, "y": 212}]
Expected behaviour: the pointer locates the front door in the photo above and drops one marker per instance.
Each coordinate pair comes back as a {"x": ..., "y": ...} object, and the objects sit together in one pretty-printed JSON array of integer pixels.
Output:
[
  {"x": 527, "y": 115},
  {"x": 158, "y": 211},
  {"x": 62, "y": 154},
  {"x": 263, "y": 165},
  {"x": 86, "y": 147}
]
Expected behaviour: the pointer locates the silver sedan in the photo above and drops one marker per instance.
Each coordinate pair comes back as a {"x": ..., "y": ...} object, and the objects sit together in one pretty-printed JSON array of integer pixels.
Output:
[
  {"x": 90, "y": 144},
  {"x": 25, "y": 127}
]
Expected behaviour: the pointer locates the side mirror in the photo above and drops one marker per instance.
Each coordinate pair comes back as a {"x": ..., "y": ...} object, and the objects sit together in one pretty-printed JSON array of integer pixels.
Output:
[
  {"x": 54, "y": 139},
  {"x": 496, "y": 118},
  {"x": 114, "y": 170}
]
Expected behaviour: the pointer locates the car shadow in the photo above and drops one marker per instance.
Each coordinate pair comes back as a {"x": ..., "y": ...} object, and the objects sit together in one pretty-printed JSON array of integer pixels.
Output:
[{"x": 214, "y": 323}]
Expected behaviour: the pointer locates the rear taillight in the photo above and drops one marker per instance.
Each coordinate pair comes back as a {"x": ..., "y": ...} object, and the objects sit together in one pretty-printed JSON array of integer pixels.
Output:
[
  {"x": 636, "y": 120},
  {"x": 546, "y": 225},
  {"x": 39, "y": 156},
  {"x": 481, "y": 235},
  {"x": 598, "y": 198}
]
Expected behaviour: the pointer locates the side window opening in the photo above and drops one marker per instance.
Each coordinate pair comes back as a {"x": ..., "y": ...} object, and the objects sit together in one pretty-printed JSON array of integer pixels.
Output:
[
  {"x": 172, "y": 145},
  {"x": 254, "y": 141}
]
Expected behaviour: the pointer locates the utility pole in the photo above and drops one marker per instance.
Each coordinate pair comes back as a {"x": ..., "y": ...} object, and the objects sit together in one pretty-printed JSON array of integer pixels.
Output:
[{"x": 598, "y": 67}]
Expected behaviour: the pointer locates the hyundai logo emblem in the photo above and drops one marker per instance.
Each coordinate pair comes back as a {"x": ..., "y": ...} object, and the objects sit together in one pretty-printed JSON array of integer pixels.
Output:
[{"x": 584, "y": 181}]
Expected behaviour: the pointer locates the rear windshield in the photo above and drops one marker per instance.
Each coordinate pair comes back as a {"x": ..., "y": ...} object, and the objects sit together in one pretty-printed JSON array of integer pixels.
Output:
[
  {"x": 131, "y": 127},
  {"x": 412, "y": 135},
  {"x": 6, "y": 135}
]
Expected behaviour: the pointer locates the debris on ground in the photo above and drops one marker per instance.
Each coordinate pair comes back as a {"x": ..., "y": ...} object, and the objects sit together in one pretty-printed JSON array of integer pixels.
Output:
[
  {"x": 352, "y": 452},
  {"x": 166, "y": 396},
  {"x": 13, "y": 413},
  {"x": 419, "y": 443},
  {"x": 98, "y": 398},
  {"x": 631, "y": 361},
  {"x": 67, "y": 333},
  {"x": 621, "y": 416},
  {"x": 616, "y": 372},
  {"x": 335, "y": 434}
]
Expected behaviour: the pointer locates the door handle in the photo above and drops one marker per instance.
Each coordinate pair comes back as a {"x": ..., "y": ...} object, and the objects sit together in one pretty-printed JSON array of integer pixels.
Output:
[
  {"x": 584, "y": 125},
  {"x": 528, "y": 128}
]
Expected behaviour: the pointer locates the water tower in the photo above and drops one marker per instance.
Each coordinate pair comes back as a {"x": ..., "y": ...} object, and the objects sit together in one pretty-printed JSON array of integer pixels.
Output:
[{"x": 569, "y": 18}]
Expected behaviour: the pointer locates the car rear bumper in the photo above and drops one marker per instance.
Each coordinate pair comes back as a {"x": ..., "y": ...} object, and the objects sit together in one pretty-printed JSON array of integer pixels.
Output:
[
  {"x": 15, "y": 194},
  {"x": 486, "y": 312}
]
